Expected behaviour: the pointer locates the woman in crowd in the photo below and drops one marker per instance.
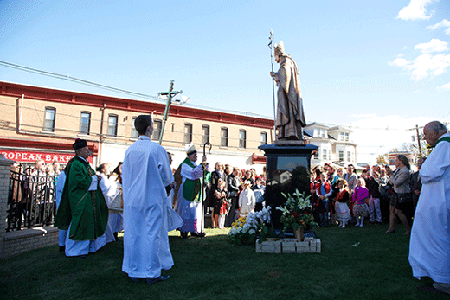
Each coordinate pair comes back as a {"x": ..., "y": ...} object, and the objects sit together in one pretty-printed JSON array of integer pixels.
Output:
[
  {"x": 214, "y": 180},
  {"x": 402, "y": 199},
  {"x": 259, "y": 189},
  {"x": 220, "y": 199},
  {"x": 234, "y": 183}
]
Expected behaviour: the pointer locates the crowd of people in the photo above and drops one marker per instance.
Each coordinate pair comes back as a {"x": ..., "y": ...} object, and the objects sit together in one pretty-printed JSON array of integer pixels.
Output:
[
  {"x": 341, "y": 196},
  {"x": 147, "y": 199}
]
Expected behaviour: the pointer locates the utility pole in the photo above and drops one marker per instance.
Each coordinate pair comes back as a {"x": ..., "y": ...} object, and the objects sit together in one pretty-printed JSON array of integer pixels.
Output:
[
  {"x": 418, "y": 140},
  {"x": 169, "y": 94}
]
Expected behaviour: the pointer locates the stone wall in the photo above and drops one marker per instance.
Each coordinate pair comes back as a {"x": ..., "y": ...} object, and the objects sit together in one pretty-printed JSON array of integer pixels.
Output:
[{"x": 16, "y": 242}]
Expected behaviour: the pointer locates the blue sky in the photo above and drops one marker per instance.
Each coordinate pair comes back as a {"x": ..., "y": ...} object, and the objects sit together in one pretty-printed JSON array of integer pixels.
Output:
[{"x": 365, "y": 64}]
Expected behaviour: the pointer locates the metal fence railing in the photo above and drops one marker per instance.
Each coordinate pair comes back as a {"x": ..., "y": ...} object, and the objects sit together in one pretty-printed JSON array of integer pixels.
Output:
[{"x": 31, "y": 201}]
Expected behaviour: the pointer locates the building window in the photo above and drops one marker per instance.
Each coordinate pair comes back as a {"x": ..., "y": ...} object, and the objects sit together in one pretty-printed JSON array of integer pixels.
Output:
[
  {"x": 157, "y": 127},
  {"x": 349, "y": 157},
  {"x": 205, "y": 135},
  {"x": 344, "y": 136},
  {"x": 224, "y": 137},
  {"x": 112, "y": 125},
  {"x": 134, "y": 133},
  {"x": 263, "y": 138},
  {"x": 49, "y": 119},
  {"x": 242, "y": 139},
  {"x": 329, "y": 154},
  {"x": 316, "y": 154},
  {"x": 187, "y": 133},
  {"x": 85, "y": 122},
  {"x": 341, "y": 155},
  {"x": 324, "y": 154},
  {"x": 322, "y": 133}
]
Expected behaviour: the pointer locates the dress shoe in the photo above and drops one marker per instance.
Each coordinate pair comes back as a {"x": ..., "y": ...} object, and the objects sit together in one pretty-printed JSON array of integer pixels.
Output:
[
  {"x": 134, "y": 279},
  {"x": 390, "y": 231},
  {"x": 157, "y": 279},
  {"x": 62, "y": 248}
]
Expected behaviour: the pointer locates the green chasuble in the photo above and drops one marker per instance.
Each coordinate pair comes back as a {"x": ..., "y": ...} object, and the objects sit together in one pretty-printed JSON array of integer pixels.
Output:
[
  {"x": 86, "y": 210},
  {"x": 191, "y": 188}
]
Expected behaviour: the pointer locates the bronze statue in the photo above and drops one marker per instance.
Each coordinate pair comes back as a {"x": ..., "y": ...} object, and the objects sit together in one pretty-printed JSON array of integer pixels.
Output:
[{"x": 290, "y": 117}]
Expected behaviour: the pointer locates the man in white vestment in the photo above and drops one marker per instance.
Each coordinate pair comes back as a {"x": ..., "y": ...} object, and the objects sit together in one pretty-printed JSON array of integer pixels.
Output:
[
  {"x": 429, "y": 249},
  {"x": 189, "y": 198},
  {"x": 145, "y": 174}
]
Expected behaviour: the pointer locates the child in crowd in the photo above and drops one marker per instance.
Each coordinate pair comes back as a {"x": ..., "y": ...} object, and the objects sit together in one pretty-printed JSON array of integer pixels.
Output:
[
  {"x": 342, "y": 197},
  {"x": 247, "y": 200},
  {"x": 220, "y": 199},
  {"x": 360, "y": 208},
  {"x": 221, "y": 208}
]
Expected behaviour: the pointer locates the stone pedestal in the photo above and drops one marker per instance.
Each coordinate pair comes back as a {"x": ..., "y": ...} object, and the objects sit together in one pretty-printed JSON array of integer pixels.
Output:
[{"x": 288, "y": 168}]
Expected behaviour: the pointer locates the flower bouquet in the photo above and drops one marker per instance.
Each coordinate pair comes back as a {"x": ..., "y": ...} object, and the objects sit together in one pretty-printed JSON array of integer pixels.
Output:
[
  {"x": 245, "y": 230},
  {"x": 297, "y": 212}
]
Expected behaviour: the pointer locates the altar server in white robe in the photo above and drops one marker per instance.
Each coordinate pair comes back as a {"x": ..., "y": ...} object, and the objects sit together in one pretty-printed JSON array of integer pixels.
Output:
[
  {"x": 429, "y": 249},
  {"x": 58, "y": 192},
  {"x": 105, "y": 185},
  {"x": 189, "y": 197},
  {"x": 145, "y": 174}
]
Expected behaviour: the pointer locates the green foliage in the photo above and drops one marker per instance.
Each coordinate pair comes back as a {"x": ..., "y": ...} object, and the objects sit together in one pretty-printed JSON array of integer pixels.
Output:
[{"x": 297, "y": 211}]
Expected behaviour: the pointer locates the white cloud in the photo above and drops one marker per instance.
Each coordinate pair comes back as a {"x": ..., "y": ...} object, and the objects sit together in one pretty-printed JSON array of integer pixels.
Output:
[
  {"x": 386, "y": 133},
  {"x": 445, "y": 87},
  {"x": 426, "y": 64},
  {"x": 415, "y": 10},
  {"x": 400, "y": 62},
  {"x": 361, "y": 116},
  {"x": 443, "y": 24},
  {"x": 435, "y": 45}
]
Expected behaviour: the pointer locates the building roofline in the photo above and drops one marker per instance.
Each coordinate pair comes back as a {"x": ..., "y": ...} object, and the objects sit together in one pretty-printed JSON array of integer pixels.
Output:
[{"x": 181, "y": 111}]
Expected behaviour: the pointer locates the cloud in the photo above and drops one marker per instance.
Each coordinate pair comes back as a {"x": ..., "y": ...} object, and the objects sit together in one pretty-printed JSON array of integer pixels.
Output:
[
  {"x": 363, "y": 116},
  {"x": 415, "y": 10},
  {"x": 443, "y": 24},
  {"x": 435, "y": 45},
  {"x": 445, "y": 87},
  {"x": 426, "y": 64},
  {"x": 400, "y": 62}
]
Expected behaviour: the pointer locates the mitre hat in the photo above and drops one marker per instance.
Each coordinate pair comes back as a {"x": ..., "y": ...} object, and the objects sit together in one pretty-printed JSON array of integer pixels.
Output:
[
  {"x": 190, "y": 149},
  {"x": 79, "y": 143},
  {"x": 280, "y": 47}
]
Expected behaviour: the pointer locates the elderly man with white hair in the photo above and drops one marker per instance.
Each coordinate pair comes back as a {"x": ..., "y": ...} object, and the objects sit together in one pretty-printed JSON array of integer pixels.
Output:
[{"x": 429, "y": 248}]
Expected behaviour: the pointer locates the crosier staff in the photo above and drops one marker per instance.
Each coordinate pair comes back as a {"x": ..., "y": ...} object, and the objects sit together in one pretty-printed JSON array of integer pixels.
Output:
[
  {"x": 270, "y": 45},
  {"x": 203, "y": 177}
]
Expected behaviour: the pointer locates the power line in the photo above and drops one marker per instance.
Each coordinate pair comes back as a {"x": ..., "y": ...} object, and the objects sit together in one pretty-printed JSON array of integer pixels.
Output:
[{"x": 73, "y": 79}]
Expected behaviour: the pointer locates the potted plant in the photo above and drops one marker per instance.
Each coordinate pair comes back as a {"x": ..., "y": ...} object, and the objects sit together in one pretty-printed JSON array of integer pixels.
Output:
[{"x": 297, "y": 213}]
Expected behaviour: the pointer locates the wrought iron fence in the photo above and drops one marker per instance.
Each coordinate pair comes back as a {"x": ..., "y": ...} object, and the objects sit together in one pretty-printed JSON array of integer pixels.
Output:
[{"x": 31, "y": 200}]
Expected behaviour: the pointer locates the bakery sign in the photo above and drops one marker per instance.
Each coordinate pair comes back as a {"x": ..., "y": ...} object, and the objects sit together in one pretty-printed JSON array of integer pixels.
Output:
[{"x": 31, "y": 157}]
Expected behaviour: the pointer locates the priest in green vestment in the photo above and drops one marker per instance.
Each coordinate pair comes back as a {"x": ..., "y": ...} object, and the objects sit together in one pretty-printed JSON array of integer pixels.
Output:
[
  {"x": 189, "y": 198},
  {"x": 82, "y": 211}
]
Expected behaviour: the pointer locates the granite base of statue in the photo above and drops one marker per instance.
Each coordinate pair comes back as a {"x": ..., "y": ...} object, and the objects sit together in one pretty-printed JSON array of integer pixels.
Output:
[{"x": 288, "y": 167}]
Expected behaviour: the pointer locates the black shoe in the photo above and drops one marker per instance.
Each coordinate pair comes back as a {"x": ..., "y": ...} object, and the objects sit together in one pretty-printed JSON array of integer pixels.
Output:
[
  {"x": 62, "y": 248},
  {"x": 134, "y": 279},
  {"x": 201, "y": 234},
  {"x": 184, "y": 235},
  {"x": 157, "y": 279},
  {"x": 116, "y": 236}
]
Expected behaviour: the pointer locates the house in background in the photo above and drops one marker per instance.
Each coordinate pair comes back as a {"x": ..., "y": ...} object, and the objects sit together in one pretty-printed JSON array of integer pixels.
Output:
[{"x": 335, "y": 144}]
